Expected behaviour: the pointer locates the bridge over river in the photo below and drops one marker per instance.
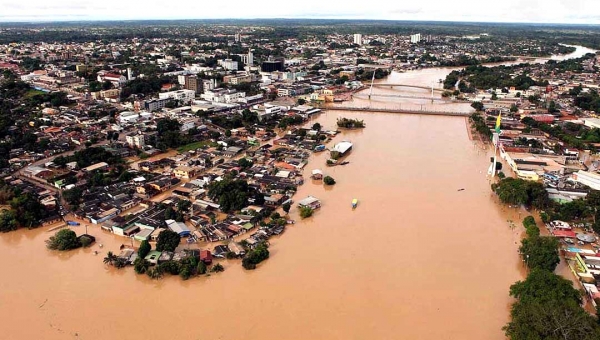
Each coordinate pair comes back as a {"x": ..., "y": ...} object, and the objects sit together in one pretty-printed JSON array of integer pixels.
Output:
[{"x": 398, "y": 110}]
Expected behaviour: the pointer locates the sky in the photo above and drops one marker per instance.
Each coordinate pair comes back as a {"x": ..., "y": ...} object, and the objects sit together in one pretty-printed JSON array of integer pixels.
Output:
[{"x": 534, "y": 11}]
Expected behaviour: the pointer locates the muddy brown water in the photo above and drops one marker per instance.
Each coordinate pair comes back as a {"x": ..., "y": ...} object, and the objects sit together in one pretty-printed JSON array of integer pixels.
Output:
[{"x": 417, "y": 259}]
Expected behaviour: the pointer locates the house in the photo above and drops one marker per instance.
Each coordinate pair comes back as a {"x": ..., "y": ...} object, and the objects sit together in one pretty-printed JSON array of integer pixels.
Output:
[
  {"x": 97, "y": 166},
  {"x": 311, "y": 202},
  {"x": 184, "y": 172},
  {"x": 153, "y": 257},
  {"x": 237, "y": 249},
  {"x": 178, "y": 227},
  {"x": 206, "y": 257}
]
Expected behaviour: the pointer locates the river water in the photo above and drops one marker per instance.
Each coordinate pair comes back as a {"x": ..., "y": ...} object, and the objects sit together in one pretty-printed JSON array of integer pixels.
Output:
[{"x": 417, "y": 259}]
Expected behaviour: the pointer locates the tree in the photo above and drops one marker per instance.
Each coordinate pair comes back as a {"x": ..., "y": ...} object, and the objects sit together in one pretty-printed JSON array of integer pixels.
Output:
[
  {"x": 255, "y": 256},
  {"x": 155, "y": 273},
  {"x": 306, "y": 212},
  {"x": 328, "y": 180},
  {"x": 110, "y": 258},
  {"x": 540, "y": 252},
  {"x": 227, "y": 133},
  {"x": 544, "y": 286},
  {"x": 244, "y": 163},
  {"x": 478, "y": 106},
  {"x": 167, "y": 240},
  {"x": 64, "y": 239},
  {"x": 201, "y": 269},
  {"x": 140, "y": 265},
  {"x": 531, "y": 227},
  {"x": 301, "y": 101},
  {"x": 514, "y": 108},
  {"x": 144, "y": 249},
  {"x": 286, "y": 207},
  {"x": 554, "y": 320},
  {"x": 316, "y": 126},
  {"x": 73, "y": 196},
  {"x": 217, "y": 268}
]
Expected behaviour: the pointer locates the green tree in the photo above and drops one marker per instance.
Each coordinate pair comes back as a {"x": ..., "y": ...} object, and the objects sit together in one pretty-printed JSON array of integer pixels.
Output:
[
  {"x": 531, "y": 227},
  {"x": 286, "y": 207},
  {"x": 144, "y": 249},
  {"x": 64, "y": 239},
  {"x": 540, "y": 252},
  {"x": 544, "y": 286},
  {"x": 201, "y": 269},
  {"x": 110, "y": 258},
  {"x": 73, "y": 196},
  {"x": 306, "y": 212},
  {"x": 255, "y": 256},
  {"x": 316, "y": 126},
  {"x": 554, "y": 320},
  {"x": 217, "y": 268},
  {"x": 478, "y": 106},
  {"x": 167, "y": 240},
  {"x": 328, "y": 180},
  {"x": 140, "y": 265}
]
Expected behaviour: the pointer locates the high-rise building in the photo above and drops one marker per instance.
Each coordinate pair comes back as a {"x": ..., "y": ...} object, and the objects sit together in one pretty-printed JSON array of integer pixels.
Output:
[
  {"x": 248, "y": 59},
  {"x": 358, "y": 39},
  {"x": 272, "y": 65},
  {"x": 238, "y": 37},
  {"x": 415, "y": 38},
  {"x": 193, "y": 83}
]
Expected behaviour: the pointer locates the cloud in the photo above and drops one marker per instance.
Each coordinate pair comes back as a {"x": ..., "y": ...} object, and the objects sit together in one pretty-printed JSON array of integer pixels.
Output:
[{"x": 537, "y": 11}]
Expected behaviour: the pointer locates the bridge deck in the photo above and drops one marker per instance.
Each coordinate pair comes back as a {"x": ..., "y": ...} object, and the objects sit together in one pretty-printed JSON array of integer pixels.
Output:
[{"x": 399, "y": 110}]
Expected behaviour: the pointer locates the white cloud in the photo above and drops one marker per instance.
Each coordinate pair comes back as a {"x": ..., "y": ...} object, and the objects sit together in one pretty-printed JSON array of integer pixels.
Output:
[{"x": 539, "y": 11}]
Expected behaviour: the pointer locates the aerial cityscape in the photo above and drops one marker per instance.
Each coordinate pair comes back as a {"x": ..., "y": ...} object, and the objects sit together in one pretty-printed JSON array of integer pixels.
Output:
[{"x": 299, "y": 176}]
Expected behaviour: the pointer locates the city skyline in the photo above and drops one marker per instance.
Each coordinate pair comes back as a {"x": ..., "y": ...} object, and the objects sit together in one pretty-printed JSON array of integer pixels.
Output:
[{"x": 510, "y": 11}]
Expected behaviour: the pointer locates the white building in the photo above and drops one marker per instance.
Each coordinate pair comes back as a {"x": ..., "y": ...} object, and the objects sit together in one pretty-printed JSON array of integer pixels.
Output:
[
  {"x": 358, "y": 39},
  {"x": 248, "y": 59},
  {"x": 222, "y": 96},
  {"x": 228, "y": 64},
  {"x": 185, "y": 96},
  {"x": 590, "y": 179},
  {"x": 415, "y": 38},
  {"x": 136, "y": 140},
  {"x": 187, "y": 125}
]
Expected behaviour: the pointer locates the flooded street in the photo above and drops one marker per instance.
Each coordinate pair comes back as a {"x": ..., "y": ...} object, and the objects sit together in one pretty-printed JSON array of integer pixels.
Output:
[{"x": 417, "y": 259}]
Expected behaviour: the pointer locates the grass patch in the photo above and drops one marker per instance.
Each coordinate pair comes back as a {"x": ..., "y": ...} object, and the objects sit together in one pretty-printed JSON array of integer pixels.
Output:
[
  {"x": 196, "y": 145},
  {"x": 32, "y": 92}
]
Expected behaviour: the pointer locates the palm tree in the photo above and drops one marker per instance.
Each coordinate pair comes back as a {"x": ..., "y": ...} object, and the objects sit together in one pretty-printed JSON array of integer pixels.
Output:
[{"x": 110, "y": 258}]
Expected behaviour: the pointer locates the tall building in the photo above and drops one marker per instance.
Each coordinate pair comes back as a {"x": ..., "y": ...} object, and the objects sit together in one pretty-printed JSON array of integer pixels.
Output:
[
  {"x": 358, "y": 39},
  {"x": 136, "y": 141},
  {"x": 415, "y": 38},
  {"x": 248, "y": 59},
  {"x": 272, "y": 66},
  {"x": 209, "y": 84},
  {"x": 228, "y": 64},
  {"x": 193, "y": 83},
  {"x": 238, "y": 37}
]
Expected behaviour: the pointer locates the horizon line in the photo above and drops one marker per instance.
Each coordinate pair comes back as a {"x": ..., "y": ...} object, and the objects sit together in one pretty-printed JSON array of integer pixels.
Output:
[{"x": 89, "y": 20}]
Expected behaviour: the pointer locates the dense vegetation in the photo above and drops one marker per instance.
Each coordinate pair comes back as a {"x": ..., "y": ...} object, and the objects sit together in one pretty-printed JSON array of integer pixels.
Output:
[
  {"x": 168, "y": 240},
  {"x": 350, "y": 123},
  {"x": 547, "y": 306},
  {"x": 25, "y": 210},
  {"x": 64, "y": 239},
  {"x": 255, "y": 256},
  {"x": 233, "y": 194},
  {"x": 518, "y": 191}
]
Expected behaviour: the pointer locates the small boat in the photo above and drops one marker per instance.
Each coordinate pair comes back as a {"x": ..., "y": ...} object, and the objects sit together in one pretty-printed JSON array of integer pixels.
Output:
[{"x": 354, "y": 203}]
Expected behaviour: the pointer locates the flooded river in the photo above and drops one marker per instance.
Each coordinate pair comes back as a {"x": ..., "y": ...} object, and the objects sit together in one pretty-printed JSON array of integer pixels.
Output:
[{"x": 417, "y": 259}]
